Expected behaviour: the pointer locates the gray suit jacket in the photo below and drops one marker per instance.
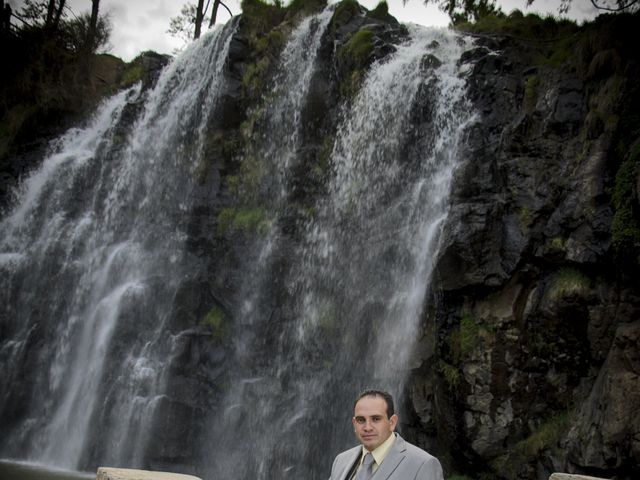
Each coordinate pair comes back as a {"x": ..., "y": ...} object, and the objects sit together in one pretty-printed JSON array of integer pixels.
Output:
[{"x": 403, "y": 462}]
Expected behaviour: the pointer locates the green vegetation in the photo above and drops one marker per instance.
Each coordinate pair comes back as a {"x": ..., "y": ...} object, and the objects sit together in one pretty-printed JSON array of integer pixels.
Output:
[
  {"x": 261, "y": 13},
  {"x": 529, "y": 26},
  {"x": 359, "y": 47},
  {"x": 507, "y": 464},
  {"x": 451, "y": 374},
  {"x": 531, "y": 92},
  {"x": 245, "y": 186},
  {"x": 625, "y": 228},
  {"x": 561, "y": 35},
  {"x": 269, "y": 14},
  {"x": 343, "y": 13},
  {"x": 546, "y": 436},
  {"x": 563, "y": 50},
  {"x": 463, "y": 342},
  {"x": 381, "y": 12},
  {"x": 216, "y": 321},
  {"x": 305, "y": 6},
  {"x": 569, "y": 280},
  {"x": 354, "y": 55},
  {"x": 557, "y": 243},
  {"x": 49, "y": 75},
  {"x": 252, "y": 80},
  {"x": 526, "y": 218},
  {"x": 272, "y": 42},
  {"x": 243, "y": 219},
  {"x": 469, "y": 336},
  {"x": 133, "y": 73}
]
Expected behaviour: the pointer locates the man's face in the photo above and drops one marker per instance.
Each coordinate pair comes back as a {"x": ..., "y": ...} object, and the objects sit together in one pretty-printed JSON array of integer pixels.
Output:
[{"x": 371, "y": 423}]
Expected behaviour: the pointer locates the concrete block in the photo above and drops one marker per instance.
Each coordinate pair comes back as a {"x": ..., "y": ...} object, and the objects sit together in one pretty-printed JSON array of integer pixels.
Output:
[{"x": 108, "y": 473}]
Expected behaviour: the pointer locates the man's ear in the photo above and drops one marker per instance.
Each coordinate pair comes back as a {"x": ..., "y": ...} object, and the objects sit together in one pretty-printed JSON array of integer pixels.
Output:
[{"x": 394, "y": 421}]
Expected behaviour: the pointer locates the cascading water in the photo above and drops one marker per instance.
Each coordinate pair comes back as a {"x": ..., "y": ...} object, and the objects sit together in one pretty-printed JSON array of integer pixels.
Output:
[
  {"x": 92, "y": 256},
  {"x": 97, "y": 255},
  {"x": 350, "y": 301}
]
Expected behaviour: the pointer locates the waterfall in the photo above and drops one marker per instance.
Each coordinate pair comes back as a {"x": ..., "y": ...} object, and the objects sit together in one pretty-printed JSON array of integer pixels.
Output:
[
  {"x": 92, "y": 255},
  {"x": 349, "y": 302},
  {"x": 97, "y": 257}
]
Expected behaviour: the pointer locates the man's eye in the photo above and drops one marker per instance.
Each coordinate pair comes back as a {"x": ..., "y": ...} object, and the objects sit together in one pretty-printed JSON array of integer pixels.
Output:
[{"x": 360, "y": 420}]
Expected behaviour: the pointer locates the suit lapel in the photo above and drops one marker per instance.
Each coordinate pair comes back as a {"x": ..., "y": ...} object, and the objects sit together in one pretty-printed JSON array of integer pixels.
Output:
[
  {"x": 351, "y": 460},
  {"x": 392, "y": 460}
]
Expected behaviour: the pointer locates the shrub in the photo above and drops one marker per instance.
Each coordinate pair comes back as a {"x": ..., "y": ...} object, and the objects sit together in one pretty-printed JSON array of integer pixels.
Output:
[
  {"x": 451, "y": 374},
  {"x": 625, "y": 228},
  {"x": 359, "y": 47}
]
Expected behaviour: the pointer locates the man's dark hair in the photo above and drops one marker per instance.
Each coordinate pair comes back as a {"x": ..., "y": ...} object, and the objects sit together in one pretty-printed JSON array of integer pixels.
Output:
[{"x": 378, "y": 393}]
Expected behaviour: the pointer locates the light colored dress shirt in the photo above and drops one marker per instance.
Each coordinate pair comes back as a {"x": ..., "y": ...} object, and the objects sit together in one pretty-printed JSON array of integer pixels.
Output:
[{"x": 379, "y": 453}]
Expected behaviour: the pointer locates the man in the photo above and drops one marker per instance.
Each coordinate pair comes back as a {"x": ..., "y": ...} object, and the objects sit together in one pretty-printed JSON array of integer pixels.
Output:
[{"x": 383, "y": 455}]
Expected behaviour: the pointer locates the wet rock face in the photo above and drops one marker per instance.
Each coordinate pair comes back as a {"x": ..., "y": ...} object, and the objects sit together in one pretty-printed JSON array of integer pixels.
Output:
[
  {"x": 535, "y": 366},
  {"x": 606, "y": 428}
]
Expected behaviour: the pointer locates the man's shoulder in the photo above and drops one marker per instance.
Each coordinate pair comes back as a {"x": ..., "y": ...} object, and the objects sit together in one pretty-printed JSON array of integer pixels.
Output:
[
  {"x": 350, "y": 452},
  {"x": 421, "y": 463},
  {"x": 415, "y": 451}
]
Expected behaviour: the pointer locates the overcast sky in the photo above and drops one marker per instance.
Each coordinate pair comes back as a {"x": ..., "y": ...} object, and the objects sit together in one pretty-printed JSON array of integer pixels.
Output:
[{"x": 140, "y": 25}]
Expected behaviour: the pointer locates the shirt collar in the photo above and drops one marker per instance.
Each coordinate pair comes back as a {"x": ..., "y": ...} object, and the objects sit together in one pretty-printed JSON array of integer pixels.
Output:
[{"x": 381, "y": 452}]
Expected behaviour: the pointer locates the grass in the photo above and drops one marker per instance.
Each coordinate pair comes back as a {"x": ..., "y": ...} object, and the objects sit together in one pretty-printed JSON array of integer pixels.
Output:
[
  {"x": 568, "y": 281},
  {"x": 546, "y": 436},
  {"x": 131, "y": 75},
  {"x": 359, "y": 47},
  {"x": 469, "y": 336}
]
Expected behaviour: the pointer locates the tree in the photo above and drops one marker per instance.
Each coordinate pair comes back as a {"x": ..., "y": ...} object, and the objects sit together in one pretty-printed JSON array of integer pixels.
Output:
[
  {"x": 465, "y": 10},
  {"x": 85, "y": 33},
  {"x": 473, "y": 9},
  {"x": 54, "y": 13},
  {"x": 82, "y": 35},
  {"x": 192, "y": 17},
  {"x": 199, "y": 19},
  {"x": 607, "y": 5},
  {"x": 214, "y": 12}
]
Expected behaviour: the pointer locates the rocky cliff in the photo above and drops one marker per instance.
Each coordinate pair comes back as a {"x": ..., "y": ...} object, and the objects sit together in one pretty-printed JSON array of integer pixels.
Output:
[{"x": 530, "y": 360}]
